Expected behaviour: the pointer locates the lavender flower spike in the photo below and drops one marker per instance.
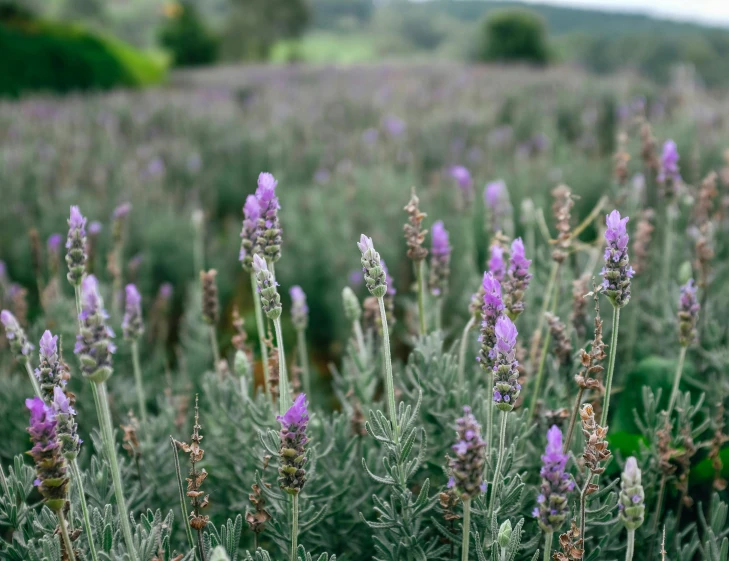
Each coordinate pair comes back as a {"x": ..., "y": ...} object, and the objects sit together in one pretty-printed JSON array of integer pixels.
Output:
[
  {"x": 50, "y": 466},
  {"x": 93, "y": 342},
  {"x": 51, "y": 372},
  {"x": 617, "y": 271},
  {"x": 66, "y": 427},
  {"x": 440, "y": 259},
  {"x": 466, "y": 469},
  {"x": 631, "y": 502},
  {"x": 249, "y": 233},
  {"x": 374, "y": 273},
  {"x": 292, "y": 455},
  {"x": 132, "y": 324},
  {"x": 498, "y": 207},
  {"x": 491, "y": 310},
  {"x": 270, "y": 299},
  {"x": 464, "y": 180},
  {"x": 268, "y": 239},
  {"x": 16, "y": 336},
  {"x": 552, "y": 506},
  {"x": 76, "y": 255},
  {"x": 669, "y": 175},
  {"x": 299, "y": 309},
  {"x": 688, "y": 314},
  {"x": 506, "y": 387},
  {"x": 518, "y": 279},
  {"x": 497, "y": 266}
]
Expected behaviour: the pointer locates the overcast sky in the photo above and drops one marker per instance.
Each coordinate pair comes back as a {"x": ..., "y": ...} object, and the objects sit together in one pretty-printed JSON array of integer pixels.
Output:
[{"x": 706, "y": 11}]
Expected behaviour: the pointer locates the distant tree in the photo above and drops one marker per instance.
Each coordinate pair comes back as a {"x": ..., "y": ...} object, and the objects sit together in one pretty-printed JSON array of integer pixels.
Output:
[
  {"x": 254, "y": 26},
  {"x": 515, "y": 36},
  {"x": 186, "y": 37}
]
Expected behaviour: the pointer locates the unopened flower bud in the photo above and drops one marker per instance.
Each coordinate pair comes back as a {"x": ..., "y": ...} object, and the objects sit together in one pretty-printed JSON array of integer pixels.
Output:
[
  {"x": 504, "y": 536},
  {"x": 374, "y": 273},
  {"x": 352, "y": 307}
]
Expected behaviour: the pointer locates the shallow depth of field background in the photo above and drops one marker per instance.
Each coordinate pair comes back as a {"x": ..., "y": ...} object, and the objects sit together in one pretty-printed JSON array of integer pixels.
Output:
[{"x": 176, "y": 107}]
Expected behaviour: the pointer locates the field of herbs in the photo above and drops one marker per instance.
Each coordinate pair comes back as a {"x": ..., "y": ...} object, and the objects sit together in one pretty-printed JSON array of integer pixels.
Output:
[{"x": 389, "y": 313}]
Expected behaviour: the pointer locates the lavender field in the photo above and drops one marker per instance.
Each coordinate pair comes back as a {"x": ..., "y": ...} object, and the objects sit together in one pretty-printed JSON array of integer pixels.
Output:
[{"x": 383, "y": 312}]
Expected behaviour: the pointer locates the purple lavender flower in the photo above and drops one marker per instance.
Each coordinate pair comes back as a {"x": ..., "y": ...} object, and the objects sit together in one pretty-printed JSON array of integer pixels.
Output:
[
  {"x": 395, "y": 126},
  {"x": 93, "y": 342},
  {"x": 268, "y": 236},
  {"x": 50, "y": 466},
  {"x": 66, "y": 427},
  {"x": 552, "y": 506},
  {"x": 122, "y": 211},
  {"x": 617, "y": 271},
  {"x": 391, "y": 290},
  {"x": 299, "y": 309},
  {"x": 132, "y": 324},
  {"x": 95, "y": 228},
  {"x": 491, "y": 310},
  {"x": 631, "y": 501},
  {"x": 440, "y": 259},
  {"x": 76, "y": 255},
  {"x": 51, "y": 371},
  {"x": 249, "y": 233},
  {"x": 270, "y": 299},
  {"x": 498, "y": 207},
  {"x": 518, "y": 279},
  {"x": 669, "y": 174},
  {"x": 374, "y": 274},
  {"x": 463, "y": 179},
  {"x": 466, "y": 469},
  {"x": 15, "y": 334},
  {"x": 3, "y": 272},
  {"x": 166, "y": 290},
  {"x": 506, "y": 387},
  {"x": 688, "y": 314},
  {"x": 292, "y": 455},
  {"x": 54, "y": 243},
  {"x": 497, "y": 266}
]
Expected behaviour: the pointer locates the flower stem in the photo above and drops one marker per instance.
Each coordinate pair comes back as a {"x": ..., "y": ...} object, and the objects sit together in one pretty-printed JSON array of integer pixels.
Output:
[
  {"x": 140, "y": 387},
  {"x": 303, "y": 360},
  {"x": 466, "y": 528},
  {"x": 439, "y": 313},
  {"x": 33, "y": 380},
  {"x": 631, "y": 546},
  {"x": 68, "y": 546},
  {"x": 676, "y": 381},
  {"x": 548, "y": 546},
  {"x": 294, "y": 526},
  {"x": 671, "y": 212},
  {"x": 389, "y": 382},
  {"x": 284, "y": 400},
  {"x": 489, "y": 415},
  {"x": 216, "y": 350},
  {"x": 76, "y": 472},
  {"x": 183, "y": 505},
  {"x": 462, "y": 352},
  {"x": 107, "y": 436},
  {"x": 540, "y": 376},
  {"x": 497, "y": 471},
  {"x": 583, "y": 501},
  {"x": 573, "y": 420},
  {"x": 545, "y": 306},
  {"x": 420, "y": 269},
  {"x": 611, "y": 365},
  {"x": 261, "y": 334}
]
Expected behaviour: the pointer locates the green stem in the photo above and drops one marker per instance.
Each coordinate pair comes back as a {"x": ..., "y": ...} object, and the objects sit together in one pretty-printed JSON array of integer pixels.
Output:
[
  {"x": 33, "y": 379},
  {"x": 294, "y": 526},
  {"x": 462, "y": 352},
  {"x": 359, "y": 337},
  {"x": 216, "y": 350},
  {"x": 611, "y": 365},
  {"x": 140, "y": 387},
  {"x": 573, "y": 420},
  {"x": 497, "y": 471},
  {"x": 77, "y": 477},
  {"x": 284, "y": 400},
  {"x": 107, "y": 436},
  {"x": 466, "y": 528},
  {"x": 583, "y": 517},
  {"x": 420, "y": 269},
  {"x": 68, "y": 546},
  {"x": 671, "y": 212},
  {"x": 489, "y": 416},
  {"x": 303, "y": 360},
  {"x": 389, "y": 381},
  {"x": 540, "y": 376},
  {"x": 181, "y": 489},
  {"x": 548, "y": 546},
  {"x": 545, "y": 304},
  {"x": 631, "y": 546},
  {"x": 676, "y": 381},
  {"x": 261, "y": 334}
]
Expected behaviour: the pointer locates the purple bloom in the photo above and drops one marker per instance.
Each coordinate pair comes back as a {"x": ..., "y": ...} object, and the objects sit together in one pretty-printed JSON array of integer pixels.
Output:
[
  {"x": 440, "y": 259},
  {"x": 391, "y": 290},
  {"x": 506, "y": 387},
  {"x": 165, "y": 290},
  {"x": 617, "y": 271},
  {"x": 93, "y": 342},
  {"x": 292, "y": 455},
  {"x": 394, "y": 126},
  {"x": 15, "y": 334},
  {"x": 95, "y": 228},
  {"x": 669, "y": 172},
  {"x": 498, "y": 207},
  {"x": 463, "y": 179},
  {"x": 553, "y": 507},
  {"x": 51, "y": 372},
  {"x": 50, "y": 466},
  {"x": 688, "y": 314},
  {"x": 491, "y": 310},
  {"x": 54, "y": 243},
  {"x": 3, "y": 271},
  {"x": 132, "y": 323},
  {"x": 466, "y": 469},
  {"x": 299, "y": 308},
  {"x": 249, "y": 233},
  {"x": 518, "y": 279},
  {"x": 497, "y": 266},
  {"x": 76, "y": 255},
  {"x": 268, "y": 236},
  {"x": 631, "y": 499},
  {"x": 122, "y": 211}
]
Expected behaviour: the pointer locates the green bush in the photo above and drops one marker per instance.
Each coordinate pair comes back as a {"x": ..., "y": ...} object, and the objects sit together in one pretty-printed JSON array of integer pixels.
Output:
[
  {"x": 515, "y": 35},
  {"x": 46, "y": 56},
  {"x": 187, "y": 38}
]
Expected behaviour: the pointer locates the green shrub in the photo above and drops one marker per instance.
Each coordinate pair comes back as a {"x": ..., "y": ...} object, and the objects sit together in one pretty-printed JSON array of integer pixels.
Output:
[
  {"x": 187, "y": 38},
  {"x": 46, "y": 56},
  {"x": 515, "y": 35}
]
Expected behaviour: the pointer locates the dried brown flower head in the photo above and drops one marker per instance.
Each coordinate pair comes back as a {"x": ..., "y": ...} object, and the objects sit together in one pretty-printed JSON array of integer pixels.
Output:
[
  {"x": 562, "y": 347},
  {"x": 642, "y": 240},
  {"x": 414, "y": 233},
  {"x": 198, "y": 499},
  {"x": 571, "y": 544},
  {"x": 210, "y": 305},
  {"x": 596, "y": 447},
  {"x": 561, "y": 208},
  {"x": 621, "y": 158}
]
